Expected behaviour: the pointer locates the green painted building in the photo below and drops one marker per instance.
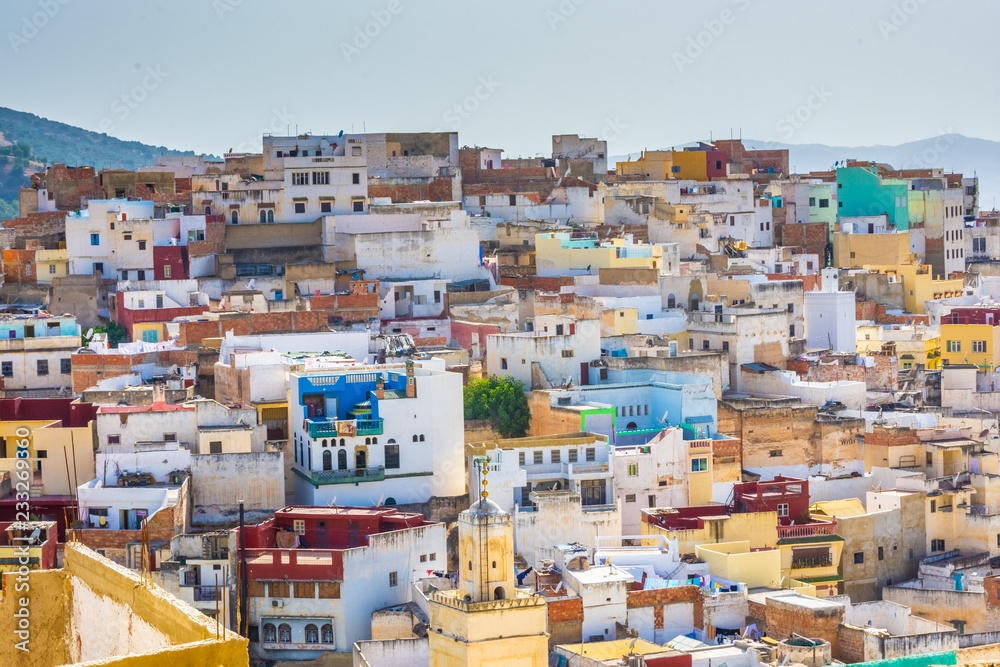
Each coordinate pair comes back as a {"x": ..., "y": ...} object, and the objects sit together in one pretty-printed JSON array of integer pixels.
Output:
[{"x": 860, "y": 192}]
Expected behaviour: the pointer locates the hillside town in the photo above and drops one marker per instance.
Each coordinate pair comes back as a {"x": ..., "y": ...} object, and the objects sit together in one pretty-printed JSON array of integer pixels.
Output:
[{"x": 388, "y": 399}]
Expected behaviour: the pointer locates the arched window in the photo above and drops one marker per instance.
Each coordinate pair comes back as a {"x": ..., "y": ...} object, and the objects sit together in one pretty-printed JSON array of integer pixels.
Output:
[
  {"x": 327, "y": 460},
  {"x": 270, "y": 216},
  {"x": 671, "y": 301},
  {"x": 421, "y": 437},
  {"x": 341, "y": 442},
  {"x": 324, "y": 442},
  {"x": 632, "y": 426},
  {"x": 235, "y": 217},
  {"x": 262, "y": 216},
  {"x": 374, "y": 441},
  {"x": 208, "y": 210},
  {"x": 499, "y": 593},
  {"x": 270, "y": 632},
  {"x": 312, "y": 634},
  {"x": 341, "y": 459},
  {"x": 414, "y": 438},
  {"x": 285, "y": 633},
  {"x": 389, "y": 501},
  {"x": 368, "y": 441},
  {"x": 327, "y": 633},
  {"x": 392, "y": 441}
]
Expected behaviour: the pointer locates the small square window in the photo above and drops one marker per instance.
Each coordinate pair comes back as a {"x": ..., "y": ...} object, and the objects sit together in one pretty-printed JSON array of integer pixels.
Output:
[
  {"x": 359, "y": 206},
  {"x": 325, "y": 207},
  {"x": 300, "y": 207},
  {"x": 42, "y": 367},
  {"x": 356, "y": 178},
  {"x": 393, "y": 579},
  {"x": 537, "y": 457},
  {"x": 65, "y": 366},
  {"x": 630, "y": 497},
  {"x": 142, "y": 245},
  {"x": 859, "y": 557}
]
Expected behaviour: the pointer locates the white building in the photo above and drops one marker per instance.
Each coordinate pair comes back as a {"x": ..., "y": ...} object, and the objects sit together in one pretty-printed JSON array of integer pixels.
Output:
[
  {"x": 35, "y": 353},
  {"x": 305, "y": 177},
  {"x": 413, "y": 298},
  {"x": 318, "y": 573},
  {"x": 112, "y": 237},
  {"x": 831, "y": 316},
  {"x": 377, "y": 432},
  {"x": 543, "y": 358}
]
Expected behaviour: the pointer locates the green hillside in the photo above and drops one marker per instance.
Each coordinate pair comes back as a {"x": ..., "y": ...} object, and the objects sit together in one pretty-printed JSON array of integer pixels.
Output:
[{"x": 29, "y": 137}]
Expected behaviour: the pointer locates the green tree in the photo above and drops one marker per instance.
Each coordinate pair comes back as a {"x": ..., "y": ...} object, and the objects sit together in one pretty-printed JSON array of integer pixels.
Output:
[
  {"x": 501, "y": 400},
  {"x": 116, "y": 333}
]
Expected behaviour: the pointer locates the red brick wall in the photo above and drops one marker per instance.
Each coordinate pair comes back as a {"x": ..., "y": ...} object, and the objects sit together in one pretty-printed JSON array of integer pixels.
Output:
[
  {"x": 869, "y": 310},
  {"x": 891, "y": 437},
  {"x": 19, "y": 266},
  {"x": 436, "y": 189},
  {"x": 36, "y": 225},
  {"x": 569, "y": 609},
  {"x": 127, "y": 317},
  {"x": 215, "y": 236}
]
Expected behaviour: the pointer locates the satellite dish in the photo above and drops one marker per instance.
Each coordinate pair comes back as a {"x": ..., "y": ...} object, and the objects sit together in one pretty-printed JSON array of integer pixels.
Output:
[
  {"x": 90, "y": 332},
  {"x": 985, "y": 433}
]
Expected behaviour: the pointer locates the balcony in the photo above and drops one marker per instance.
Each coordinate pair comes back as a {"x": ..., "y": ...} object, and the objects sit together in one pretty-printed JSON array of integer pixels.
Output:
[
  {"x": 807, "y": 563},
  {"x": 332, "y": 428},
  {"x": 208, "y": 593},
  {"x": 351, "y": 476},
  {"x": 807, "y": 530}
]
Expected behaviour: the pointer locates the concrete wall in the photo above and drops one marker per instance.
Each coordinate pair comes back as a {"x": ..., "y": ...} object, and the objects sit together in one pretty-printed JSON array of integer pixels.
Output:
[{"x": 220, "y": 481}]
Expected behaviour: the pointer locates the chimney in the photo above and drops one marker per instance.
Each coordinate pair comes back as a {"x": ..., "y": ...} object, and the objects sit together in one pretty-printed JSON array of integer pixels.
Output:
[
  {"x": 380, "y": 387},
  {"x": 159, "y": 390},
  {"x": 411, "y": 382}
]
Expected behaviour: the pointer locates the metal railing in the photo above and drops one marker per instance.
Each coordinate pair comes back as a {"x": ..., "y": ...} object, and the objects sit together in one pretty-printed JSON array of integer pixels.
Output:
[
  {"x": 350, "y": 476},
  {"x": 207, "y": 593},
  {"x": 807, "y": 530}
]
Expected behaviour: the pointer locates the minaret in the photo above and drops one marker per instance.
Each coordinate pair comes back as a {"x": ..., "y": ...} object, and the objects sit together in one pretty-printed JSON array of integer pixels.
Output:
[{"x": 487, "y": 619}]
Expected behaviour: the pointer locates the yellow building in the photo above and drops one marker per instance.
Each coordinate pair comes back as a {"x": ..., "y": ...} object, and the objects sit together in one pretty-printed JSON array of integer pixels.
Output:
[
  {"x": 665, "y": 165},
  {"x": 487, "y": 620},
  {"x": 911, "y": 344},
  {"x": 51, "y": 264},
  {"x": 810, "y": 554},
  {"x": 971, "y": 336},
  {"x": 857, "y": 250},
  {"x": 919, "y": 284},
  {"x": 619, "y": 321},
  {"x": 736, "y": 561},
  {"x": 50, "y": 446},
  {"x": 150, "y": 332},
  {"x": 714, "y": 527},
  {"x": 95, "y": 612},
  {"x": 580, "y": 253}
]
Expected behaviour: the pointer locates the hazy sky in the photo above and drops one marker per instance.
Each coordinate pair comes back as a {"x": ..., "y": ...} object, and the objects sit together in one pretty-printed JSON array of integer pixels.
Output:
[{"x": 210, "y": 75}]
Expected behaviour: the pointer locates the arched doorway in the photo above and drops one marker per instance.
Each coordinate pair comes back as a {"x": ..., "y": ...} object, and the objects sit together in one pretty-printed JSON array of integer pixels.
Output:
[
  {"x": 671, "y": 301},
  {"x": 499, "y": 593},
  {"x": 327, "y": 460},
  {"x": 342, "y": 459},
  {"x": 360, "y": 460}
]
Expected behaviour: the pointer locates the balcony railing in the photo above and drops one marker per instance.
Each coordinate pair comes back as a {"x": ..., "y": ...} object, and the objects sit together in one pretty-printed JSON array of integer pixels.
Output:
[
  {"x": 320, "y": 428},
  {"x": 819, "y": 561},
  {"x": 807, "y": 530},
  {"x": 207, "y": 593},
  {"x": 351, "y": 476},
  {"x": 699, "y": 445}
]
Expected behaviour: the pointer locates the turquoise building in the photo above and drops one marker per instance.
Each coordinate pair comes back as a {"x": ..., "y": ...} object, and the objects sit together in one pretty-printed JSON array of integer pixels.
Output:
[{"x": 861, "y": 191}]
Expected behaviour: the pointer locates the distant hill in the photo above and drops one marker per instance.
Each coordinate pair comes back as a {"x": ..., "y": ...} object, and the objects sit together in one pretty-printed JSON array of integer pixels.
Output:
[
  {"x": 51, "y": 141},
  {"x": 952, "y": 152}
]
